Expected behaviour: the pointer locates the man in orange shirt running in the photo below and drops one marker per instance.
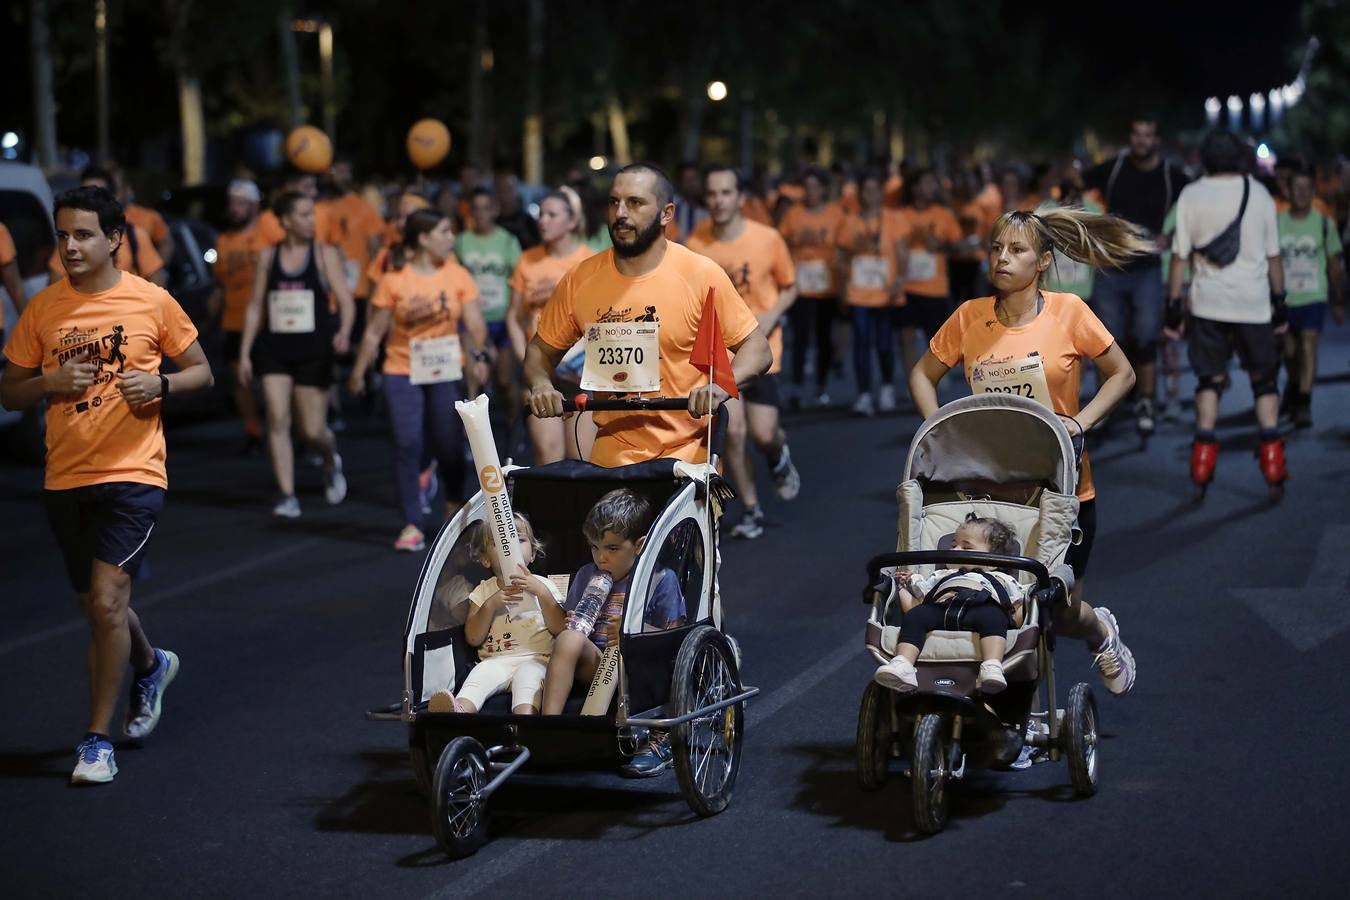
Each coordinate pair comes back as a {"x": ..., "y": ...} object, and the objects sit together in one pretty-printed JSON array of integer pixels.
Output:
[
  {"x": 755, "y": 258},
  {"x": 235, "y": 268},
  {"x": 93, "y": 346}
]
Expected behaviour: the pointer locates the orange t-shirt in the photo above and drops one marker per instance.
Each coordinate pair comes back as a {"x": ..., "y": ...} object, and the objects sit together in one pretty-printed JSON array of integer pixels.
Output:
[
  {"x": 148, "y": 221},
  {"x": 7, "y": 255},
  {"x": 425, "y": 306},
  {"x": 938, "y": 222},
  {"x": 1064, "y": 333},
  {"x": 811, "y": 239},
  {"x": 859, "y": 237},
  {"x": 95, "y": 438},
  {"x": 848, "y": 198},
  {"x": 536, "y": 275},
  {"x": 755, "y": 210},
  {"x": 145, "y": 262},
  {"x": 236, "y": 264},
  {"x": 673, "y": 295},
  {"x": 892, "y": 192},
  {"x": 759, "y": 266},
  {"x": 354, "y": 222}
]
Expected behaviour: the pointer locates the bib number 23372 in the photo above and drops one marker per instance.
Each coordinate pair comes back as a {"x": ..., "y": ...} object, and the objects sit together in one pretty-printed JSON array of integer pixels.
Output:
[
  {"x": 1023, "y": 377},
  {"x": 623, "y": 357}
]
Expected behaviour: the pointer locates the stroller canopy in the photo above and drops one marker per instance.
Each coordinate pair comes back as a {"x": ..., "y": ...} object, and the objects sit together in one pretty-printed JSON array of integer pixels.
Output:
[{"x": 993, "y": 437}]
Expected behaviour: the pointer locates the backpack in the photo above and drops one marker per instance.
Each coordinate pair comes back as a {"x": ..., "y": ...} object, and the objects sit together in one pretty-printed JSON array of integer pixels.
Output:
[{"x": 1224, "y": 249}]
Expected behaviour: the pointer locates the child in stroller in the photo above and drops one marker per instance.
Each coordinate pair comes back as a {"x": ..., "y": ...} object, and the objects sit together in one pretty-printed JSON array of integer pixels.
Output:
[
  {"x": 977, "y": 599},
  {"x": 513, "y": 626}
]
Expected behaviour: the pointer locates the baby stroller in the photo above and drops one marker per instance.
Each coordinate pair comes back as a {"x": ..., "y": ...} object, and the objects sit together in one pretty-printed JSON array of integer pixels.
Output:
[
  {"x": 684, "y": 680},
  {"x": 1008, "y": 458}
]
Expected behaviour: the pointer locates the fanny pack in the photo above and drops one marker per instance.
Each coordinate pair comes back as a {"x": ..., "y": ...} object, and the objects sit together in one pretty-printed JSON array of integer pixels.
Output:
[{"x": 1224, "y": 249}]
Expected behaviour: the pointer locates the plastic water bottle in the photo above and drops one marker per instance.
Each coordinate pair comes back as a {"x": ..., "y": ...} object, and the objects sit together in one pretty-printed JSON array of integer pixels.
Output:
[{"x": 591, "y": 602}]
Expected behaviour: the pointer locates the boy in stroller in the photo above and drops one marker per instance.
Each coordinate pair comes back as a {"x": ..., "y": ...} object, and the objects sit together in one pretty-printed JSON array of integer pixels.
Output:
[{"x": 984, "y": 601}]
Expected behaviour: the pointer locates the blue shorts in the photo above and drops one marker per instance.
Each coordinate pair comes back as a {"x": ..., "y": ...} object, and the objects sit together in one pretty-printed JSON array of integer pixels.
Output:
[
  {"x": 108, "y": 522},
  {"x": 1308, "y": 317},
  {"x": 1130, "y": 305},
  {"x": 496, "y": 334}
]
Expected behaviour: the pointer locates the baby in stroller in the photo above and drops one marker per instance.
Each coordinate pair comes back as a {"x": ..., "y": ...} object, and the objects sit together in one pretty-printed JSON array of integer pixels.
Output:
[
  {"x": 513, "y": 626},
  {"x": 985, "y": 601}
]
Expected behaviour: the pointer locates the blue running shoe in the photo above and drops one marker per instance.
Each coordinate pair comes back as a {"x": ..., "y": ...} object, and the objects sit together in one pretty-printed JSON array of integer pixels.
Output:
[
  {"x": 657, "y": 759},
  {"x": 94, "y": 762},
  {"x": 147, "y": 695}
]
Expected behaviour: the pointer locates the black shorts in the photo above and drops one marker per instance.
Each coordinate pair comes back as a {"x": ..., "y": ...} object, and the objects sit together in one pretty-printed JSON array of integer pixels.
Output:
[
  {"x": 307, "y": 372},
  {"x": 924, "y": 313},
  {"x": 1077, "y": 556},
  {"x": 108, "y": 522},
  {"x": 1211, "y": 345},
  {"x": 763, "y": 391},
  {"x": 234, "y": 341}
]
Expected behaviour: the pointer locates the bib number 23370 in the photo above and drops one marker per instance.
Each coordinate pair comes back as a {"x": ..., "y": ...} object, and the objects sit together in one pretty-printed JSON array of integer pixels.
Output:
[
  {"x": 1023, "y": 377},
  {"x": 623, "y": 357}
]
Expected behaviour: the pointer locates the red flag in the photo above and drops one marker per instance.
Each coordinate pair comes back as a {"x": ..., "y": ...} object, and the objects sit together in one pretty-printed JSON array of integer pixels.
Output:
[{"x": 710, "y": 351}]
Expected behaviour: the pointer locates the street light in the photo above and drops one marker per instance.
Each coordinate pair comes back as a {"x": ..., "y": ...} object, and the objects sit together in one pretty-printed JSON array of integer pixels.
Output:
[
  {"x": 325, "y": 32},
  {"x": 1257, "y": 102},
  {"x": 1234, "y": 112},
  {"x": 597, "y": 163},
  {"x": 717, "y": 91},
  {"x": 1212, "y": 109}
]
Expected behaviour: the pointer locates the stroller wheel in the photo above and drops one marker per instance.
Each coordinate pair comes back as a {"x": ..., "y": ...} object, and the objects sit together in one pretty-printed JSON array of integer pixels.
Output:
[
  {"x": 1080, "y": 737},
  {"x": 458, "y": 815},
  {"x": 707, "y": 750},
  {"x": 930, "y": 772},
  {"x": 875, "y": 737}
]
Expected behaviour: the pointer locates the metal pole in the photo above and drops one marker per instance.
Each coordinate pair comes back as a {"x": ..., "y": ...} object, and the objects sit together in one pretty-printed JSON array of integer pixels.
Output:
[
  {"x": 44, "y": 104},
  {"x": 326, "y": 81},
  {"x": 101, "y": 78}
]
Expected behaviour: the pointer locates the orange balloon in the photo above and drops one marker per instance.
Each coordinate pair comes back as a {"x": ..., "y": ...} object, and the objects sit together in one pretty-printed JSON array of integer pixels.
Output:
[
  {"x": 309, "y": 149},
  {"x": 428, "y": 143}
]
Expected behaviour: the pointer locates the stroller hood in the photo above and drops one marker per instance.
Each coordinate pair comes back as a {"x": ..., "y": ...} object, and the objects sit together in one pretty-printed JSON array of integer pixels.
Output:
[{"x": 994, "y": 437}]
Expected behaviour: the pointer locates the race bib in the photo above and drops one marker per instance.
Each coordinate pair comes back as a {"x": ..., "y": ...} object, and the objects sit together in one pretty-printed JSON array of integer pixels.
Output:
[
  {"x": 290, "y": 312},
  {"x": 813, "y": 277},
  {"x": 623, "y": 357},
  {"x": 922, "y": 266},
  {"x": 353, "y": 272},
  {"x": 1023, "y": 377},
  {"x": 435, "y": 360},
  {"x": 1302, "y": 274},
  {"x": 1070, "y": 271},
  {"x": 492, "y": 295},
  {"x": 869, "y": 273}
]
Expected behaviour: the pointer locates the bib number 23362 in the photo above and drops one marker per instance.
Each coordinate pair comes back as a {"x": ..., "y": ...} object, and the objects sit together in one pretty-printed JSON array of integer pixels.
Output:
[
  {"x": 435, "y": 360},
  {"x": 623, "y": 357}
]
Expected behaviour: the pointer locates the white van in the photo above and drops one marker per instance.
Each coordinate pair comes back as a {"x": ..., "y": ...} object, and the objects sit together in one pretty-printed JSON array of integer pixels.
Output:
[{"x": 26, "y": 210}]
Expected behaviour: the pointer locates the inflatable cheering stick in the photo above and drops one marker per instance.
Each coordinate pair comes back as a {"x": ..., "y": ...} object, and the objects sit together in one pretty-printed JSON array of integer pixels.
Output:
[{"x": 499, "y": 518}]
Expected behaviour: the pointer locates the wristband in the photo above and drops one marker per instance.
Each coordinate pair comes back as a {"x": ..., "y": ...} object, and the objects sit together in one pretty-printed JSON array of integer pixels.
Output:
[
  {"x": 479, "y": 355},
  {"x": 163, "y": 386}
]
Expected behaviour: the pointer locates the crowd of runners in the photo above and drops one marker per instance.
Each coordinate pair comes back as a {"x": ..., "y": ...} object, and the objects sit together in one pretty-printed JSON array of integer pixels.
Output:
[{"x": 837, "y": 289}]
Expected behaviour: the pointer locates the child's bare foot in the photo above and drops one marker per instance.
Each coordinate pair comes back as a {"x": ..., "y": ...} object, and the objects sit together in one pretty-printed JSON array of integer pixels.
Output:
[{"x": 991, "y": 679}]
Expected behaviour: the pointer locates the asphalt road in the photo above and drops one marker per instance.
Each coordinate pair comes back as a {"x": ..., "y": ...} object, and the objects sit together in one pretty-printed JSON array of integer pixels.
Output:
[{"x": 1220, "y": 772}]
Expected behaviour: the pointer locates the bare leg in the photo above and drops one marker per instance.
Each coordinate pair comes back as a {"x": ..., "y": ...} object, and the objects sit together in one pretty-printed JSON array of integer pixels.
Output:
[
  {"x": 739, "y": 468},
  {"x": 1079, "y": 621},
  {"x": 546, "y": 435},
  {"x": 574, "y": 660},
  {"x": 1268, "y": 411},
  {"x": 1147, "y": 373},
  {"x": 246, "y": 404},
  {"x": 110, "y": 642},
  {"x": 277, "y": 391},
  {"x": 993, "y": 647},
  {"x": 311, "y": 412},
  {"x": 1207, "y": 410},
  {"x": 908, "y": 651},
  {"x": 762, "y": 422}
]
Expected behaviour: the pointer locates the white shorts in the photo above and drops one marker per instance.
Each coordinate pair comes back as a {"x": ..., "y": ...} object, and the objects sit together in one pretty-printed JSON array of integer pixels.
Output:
[{"x": 523, "y": 674}]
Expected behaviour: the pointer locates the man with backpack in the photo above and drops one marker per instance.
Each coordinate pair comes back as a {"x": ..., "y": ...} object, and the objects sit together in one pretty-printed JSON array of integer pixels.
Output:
[{"x": 1237, "y": 299}]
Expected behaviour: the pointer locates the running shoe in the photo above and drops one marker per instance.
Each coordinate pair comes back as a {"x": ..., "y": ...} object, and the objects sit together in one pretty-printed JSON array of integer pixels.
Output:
[
  {"x": 1172, "y": 411},
  {"x": 750, "y": 526},
  {"x": 147, "y": 695},
  {"x": 428, "y": 485},
  {"x": 1143, "y": 416},
  {"x": 863, "y": 405},
  {"x": 991, "y": 680},
  {"x": 658, "y": 758},
  {"x": 1113, "y": 659},
  {"x": 886, "y": 399},
  {"x": 787, "y": 481},
  {"x": 410, "y": 540},
  {"x": 287, "y": 508},
  {"x": 899, "y": 675},
  {"x": 94, "y": 762},
  {"x": 335, "y": 488}
]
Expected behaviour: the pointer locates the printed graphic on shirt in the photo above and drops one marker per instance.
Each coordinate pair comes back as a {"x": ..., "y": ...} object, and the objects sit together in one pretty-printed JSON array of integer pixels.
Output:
[{"x": 104, "y": 351}]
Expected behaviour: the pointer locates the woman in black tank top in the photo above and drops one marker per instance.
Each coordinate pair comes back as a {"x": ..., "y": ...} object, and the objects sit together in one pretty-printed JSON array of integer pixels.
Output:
[{"x": 291, "y": 334}]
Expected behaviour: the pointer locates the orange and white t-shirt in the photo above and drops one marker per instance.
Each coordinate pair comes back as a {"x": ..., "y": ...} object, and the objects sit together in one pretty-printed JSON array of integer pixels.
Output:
[
  {"x": 1062, "y": 335},
  {"x": 7, "y": 255},
  {"x": 810, "y": 238},
  {"x": 758, "y": 264},
  {"x": 145, "y": 262},
  {"x": 926, "y": 275},
  {"x": 869, "y": 245},
  {"x": 236, "y": 264},
  {"x": 95, "y": 437},
  {"x": 424, "y": 306},
  {"x": 672, "y": 295},
  {"x": 354, "y": 222},
  {"x": 536, "y": 276},
  {"x": 150, "y": 223}
]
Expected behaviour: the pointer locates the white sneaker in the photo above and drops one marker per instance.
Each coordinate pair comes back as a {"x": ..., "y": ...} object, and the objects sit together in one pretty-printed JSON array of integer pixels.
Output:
[
  {"x": 94, "y": 762},
  {"x": 147, "y": 695},
  {"x": 1113, "y": 659},
  {"x": 335, "y": 491},
  {"x": 886, "y": 399},
  {"x": 863, "y": 405},
  {"x": 991, "y": 679},
  {"x": 287, "y": 508},
  {"x": 787, "y": 481},
  {"x": 750, "y": 526},
  {"x": 899, "y": 675}
]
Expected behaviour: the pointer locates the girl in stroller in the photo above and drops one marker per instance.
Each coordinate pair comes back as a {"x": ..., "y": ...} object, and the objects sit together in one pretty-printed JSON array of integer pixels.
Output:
[{"x": 984, "y": 601}]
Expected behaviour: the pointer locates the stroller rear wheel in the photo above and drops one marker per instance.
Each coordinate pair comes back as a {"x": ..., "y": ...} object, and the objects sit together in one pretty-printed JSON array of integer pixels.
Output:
[
  {"x": 458, "y": 814},
  {"x": 930, "y": 772},
  {"x": 875, "y": 737},
  {"x": 707, "y": 749},
  {"x": 1080, "y": 737}
]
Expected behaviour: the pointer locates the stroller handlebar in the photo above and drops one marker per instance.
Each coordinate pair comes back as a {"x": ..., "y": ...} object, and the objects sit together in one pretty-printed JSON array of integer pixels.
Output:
[
  {"x": 961, "y": 557},
  {"x": 586, "y": 403}
]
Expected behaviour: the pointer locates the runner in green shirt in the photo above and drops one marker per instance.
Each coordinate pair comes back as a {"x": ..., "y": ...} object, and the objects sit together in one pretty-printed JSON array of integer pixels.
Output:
[
  {"x": 490, "y": 253},
  {"x": 1310, "y": 249}
]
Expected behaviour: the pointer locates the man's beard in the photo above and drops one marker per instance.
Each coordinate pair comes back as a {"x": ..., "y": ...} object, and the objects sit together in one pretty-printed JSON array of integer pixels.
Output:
[{"x": 642, "y": 240}]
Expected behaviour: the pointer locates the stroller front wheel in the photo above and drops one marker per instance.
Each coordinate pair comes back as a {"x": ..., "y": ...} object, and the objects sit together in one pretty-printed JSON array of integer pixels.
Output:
[
  {"x": 459, "y": 815},
  {"x": 875, "y": 737},
  {"x": 930, "y": 773},
  {"x": 1080, "y": 736}
]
